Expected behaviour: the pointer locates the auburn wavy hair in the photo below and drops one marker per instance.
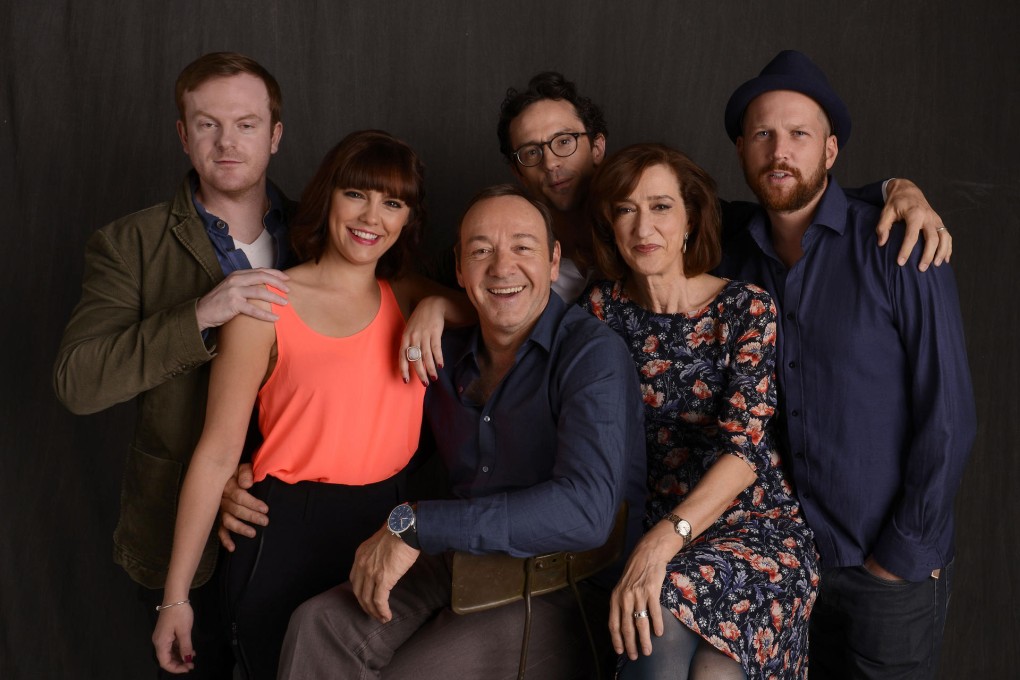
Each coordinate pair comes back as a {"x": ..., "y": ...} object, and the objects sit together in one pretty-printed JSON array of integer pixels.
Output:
[{"x": 616, "y": 178}]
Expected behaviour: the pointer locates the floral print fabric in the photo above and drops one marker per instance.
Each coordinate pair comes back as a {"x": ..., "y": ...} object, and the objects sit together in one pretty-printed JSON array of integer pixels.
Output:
[{"x": 747, "y": 584}]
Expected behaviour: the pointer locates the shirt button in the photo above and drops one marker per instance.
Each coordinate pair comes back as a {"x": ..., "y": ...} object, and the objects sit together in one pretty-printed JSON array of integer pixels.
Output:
[
  {"x": 793, "y": 364},
  {"x": 485, "y": 468},
  {"x": 799, "y": 454},
  {"x": 486, "y": 418},
  {"x": 790, "y": 316},
  {"x": 220, "y": 224},
  {"x": 795, "y": 413}
]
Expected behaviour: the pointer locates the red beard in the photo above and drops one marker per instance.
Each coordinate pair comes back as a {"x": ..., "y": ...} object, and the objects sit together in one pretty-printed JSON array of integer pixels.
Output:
[{"x": 785, "y": 199}]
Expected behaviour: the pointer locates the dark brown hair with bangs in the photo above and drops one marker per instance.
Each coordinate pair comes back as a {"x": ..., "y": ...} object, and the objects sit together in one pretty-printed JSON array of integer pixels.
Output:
[
  {"x": 370, "y": 160},
  {"x": 616, "y": 178}
]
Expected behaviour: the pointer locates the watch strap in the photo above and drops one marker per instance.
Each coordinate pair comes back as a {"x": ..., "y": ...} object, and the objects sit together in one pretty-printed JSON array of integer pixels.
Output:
[
  {"x": 409, "y": 535},
  {"x": 675, "y": 521}
]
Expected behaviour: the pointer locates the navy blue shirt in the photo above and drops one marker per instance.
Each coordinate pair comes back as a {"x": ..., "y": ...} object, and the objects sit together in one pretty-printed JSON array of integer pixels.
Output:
[
  {"x": 543, "y": 465},
  {"x": 875, "y": 392},
  {"x": 233, "y": 259}
]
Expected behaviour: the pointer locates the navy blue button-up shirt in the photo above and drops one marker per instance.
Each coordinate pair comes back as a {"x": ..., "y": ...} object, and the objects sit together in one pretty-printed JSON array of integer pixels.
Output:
[
  {"x": 233, "y": 259},
  {"x": 543, "y": 465},
  {"x": 876, "y": 399}
]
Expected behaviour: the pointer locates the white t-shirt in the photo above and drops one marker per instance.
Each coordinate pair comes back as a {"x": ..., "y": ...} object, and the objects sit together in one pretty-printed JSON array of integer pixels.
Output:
[
  {"x": 260, "y": 251},
  {"x": 571, "y": 282}
]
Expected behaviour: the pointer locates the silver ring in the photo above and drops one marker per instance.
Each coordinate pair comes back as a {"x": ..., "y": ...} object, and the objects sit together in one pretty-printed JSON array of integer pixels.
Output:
[
  {"x": 413, "y": 353},
  {"x": 940, "y": 229},
  {"x": 643, "y": 614}
]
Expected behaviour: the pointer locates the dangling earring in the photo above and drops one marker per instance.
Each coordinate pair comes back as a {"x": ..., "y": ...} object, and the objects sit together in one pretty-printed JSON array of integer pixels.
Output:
[{"x": 686, "y": 236}]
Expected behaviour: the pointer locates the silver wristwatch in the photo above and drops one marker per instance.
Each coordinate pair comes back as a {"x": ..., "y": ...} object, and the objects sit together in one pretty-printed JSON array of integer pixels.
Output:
[{"x": 682, "y": 528}]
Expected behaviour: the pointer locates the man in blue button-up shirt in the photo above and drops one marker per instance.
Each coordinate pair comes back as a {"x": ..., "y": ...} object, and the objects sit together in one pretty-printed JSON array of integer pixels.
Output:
[
  {"x": 876, "y": 395},
  {"x": 537, "y": 419}
]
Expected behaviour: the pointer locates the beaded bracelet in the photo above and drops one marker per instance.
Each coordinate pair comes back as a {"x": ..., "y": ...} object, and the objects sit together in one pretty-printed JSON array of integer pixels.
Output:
[{"x": 161, "y": 607}]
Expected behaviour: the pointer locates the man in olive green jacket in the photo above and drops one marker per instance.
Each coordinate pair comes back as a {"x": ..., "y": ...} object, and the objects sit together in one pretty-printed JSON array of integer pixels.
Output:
[{"x": 156, "y": 285}]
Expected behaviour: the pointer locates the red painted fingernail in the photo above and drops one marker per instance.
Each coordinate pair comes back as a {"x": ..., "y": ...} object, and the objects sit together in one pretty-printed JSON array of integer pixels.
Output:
[
  {"x": 188, "y": 658},
  {"x": 407, "y": 380}
]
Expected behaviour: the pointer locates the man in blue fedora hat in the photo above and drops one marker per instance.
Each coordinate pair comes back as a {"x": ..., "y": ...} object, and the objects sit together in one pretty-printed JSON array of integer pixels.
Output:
[{"x": 878, "y": 411}]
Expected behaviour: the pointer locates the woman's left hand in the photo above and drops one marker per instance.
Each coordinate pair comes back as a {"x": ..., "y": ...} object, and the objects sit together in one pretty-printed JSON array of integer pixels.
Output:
[
  {"x": 172, "y": 639},
  {"x": 423, "y": 338},
  {"x": 638, "y": 591}
]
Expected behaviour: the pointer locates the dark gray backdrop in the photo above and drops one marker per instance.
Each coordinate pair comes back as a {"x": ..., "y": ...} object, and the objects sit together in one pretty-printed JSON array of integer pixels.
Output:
[{"x": 87, "y": 134}]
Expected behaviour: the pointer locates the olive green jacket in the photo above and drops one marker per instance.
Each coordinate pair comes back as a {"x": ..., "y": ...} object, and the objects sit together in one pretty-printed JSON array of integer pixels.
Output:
[{"x": 135, "y": 334}]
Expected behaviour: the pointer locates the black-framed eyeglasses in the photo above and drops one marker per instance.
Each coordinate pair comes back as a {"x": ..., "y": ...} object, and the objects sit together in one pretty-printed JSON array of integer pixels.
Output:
[{"x": 564, "y": 144}]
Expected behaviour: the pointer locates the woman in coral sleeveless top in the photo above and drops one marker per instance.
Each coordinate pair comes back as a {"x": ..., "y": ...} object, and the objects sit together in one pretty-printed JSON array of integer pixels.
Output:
[{"x": 339, "y": 420}]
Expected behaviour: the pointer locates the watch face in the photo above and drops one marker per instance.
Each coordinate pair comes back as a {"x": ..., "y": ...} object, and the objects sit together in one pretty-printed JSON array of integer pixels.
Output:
[
  {"x": 401, "y": 518},
  {"x": 683, "y": 527}
]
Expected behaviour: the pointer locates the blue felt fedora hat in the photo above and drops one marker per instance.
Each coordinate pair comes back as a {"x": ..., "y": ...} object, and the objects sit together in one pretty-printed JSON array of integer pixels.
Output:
[{"x": 790, "y": 70}]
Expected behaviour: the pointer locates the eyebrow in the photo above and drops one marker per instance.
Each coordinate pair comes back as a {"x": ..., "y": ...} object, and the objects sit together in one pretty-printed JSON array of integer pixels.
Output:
[
  {"x": 657, "y": 197},
  {"x": 247, "y": 116},
  {"x": 551, "y": 137},
  {"x": 478, "y": 239},
  {"x": 482, "y": 238}
]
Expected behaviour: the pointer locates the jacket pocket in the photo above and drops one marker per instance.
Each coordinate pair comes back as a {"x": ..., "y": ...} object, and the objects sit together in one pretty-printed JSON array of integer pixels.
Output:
[{"x": 148, "y": 508}]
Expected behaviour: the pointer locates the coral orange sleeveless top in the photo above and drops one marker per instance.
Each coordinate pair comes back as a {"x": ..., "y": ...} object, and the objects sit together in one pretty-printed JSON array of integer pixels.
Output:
[{"x": 336, "y": 409}]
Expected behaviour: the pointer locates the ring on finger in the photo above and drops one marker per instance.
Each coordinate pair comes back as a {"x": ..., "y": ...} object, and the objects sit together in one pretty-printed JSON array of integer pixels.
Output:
[
  {"x": 643, "y": 614},
  {"x": 941, "y": 229},
  {"x": 413, "y": 353}
]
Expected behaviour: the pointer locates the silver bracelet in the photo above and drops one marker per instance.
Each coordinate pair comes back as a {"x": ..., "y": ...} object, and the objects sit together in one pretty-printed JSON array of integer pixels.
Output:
[{"x": 161, "y": 607}]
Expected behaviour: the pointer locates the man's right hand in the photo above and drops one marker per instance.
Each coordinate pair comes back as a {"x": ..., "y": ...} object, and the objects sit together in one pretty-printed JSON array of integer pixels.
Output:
[
  {"x": 239, "y": 509},
  {"x": 234, "y": 294},
  {"x": 379, "y": 563}
]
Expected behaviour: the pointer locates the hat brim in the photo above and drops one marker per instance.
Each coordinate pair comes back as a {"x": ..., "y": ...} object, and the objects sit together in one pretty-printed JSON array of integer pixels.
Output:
[{"x": 820, "y": 92}]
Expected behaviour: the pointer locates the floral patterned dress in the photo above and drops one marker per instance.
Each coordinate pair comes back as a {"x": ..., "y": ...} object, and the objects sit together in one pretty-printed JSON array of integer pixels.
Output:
[{"x": 747, "y": 584}]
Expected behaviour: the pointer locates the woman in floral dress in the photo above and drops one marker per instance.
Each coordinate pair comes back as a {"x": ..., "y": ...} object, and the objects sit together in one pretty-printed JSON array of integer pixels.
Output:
[{"x": 722, "y": 583}]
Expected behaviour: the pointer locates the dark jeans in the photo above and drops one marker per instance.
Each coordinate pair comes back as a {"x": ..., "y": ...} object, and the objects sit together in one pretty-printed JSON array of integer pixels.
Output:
[
  {"x": 214, "y": 658},
  {"x": 308, "y": 547},
  {"x": 863, "y": 626}
]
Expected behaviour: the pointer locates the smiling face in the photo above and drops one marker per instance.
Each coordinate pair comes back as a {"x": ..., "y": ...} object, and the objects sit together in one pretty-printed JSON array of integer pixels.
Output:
[
  {"x": 560, "y": 183},
  {"x": 228, "y": 134},
  {"x": 506, "y": 267},
  {"x": 650, "y": 223},
  {"x": 786, "y": 150},
  {"x": 364, "y": 224}
]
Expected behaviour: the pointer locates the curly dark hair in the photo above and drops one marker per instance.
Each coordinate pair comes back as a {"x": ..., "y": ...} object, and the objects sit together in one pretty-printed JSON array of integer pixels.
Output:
[
  {"x": 370, "y": 160},
  {"x": 546, "y": 85},
  {"x": 617, "y": 177}
]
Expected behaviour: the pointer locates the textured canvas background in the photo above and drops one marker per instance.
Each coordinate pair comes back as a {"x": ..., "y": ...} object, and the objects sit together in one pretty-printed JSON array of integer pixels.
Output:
[{"x": 87, "y": 134}]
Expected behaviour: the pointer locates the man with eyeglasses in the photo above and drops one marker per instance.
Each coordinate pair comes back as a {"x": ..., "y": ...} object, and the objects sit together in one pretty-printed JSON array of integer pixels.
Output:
[{"x": 554, "y": 138}]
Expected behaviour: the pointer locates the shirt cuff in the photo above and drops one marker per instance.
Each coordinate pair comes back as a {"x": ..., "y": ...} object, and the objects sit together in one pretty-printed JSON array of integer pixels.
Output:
[
  {"x": 885, "y": 190},
  {"x": 904, "y": 557}
]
